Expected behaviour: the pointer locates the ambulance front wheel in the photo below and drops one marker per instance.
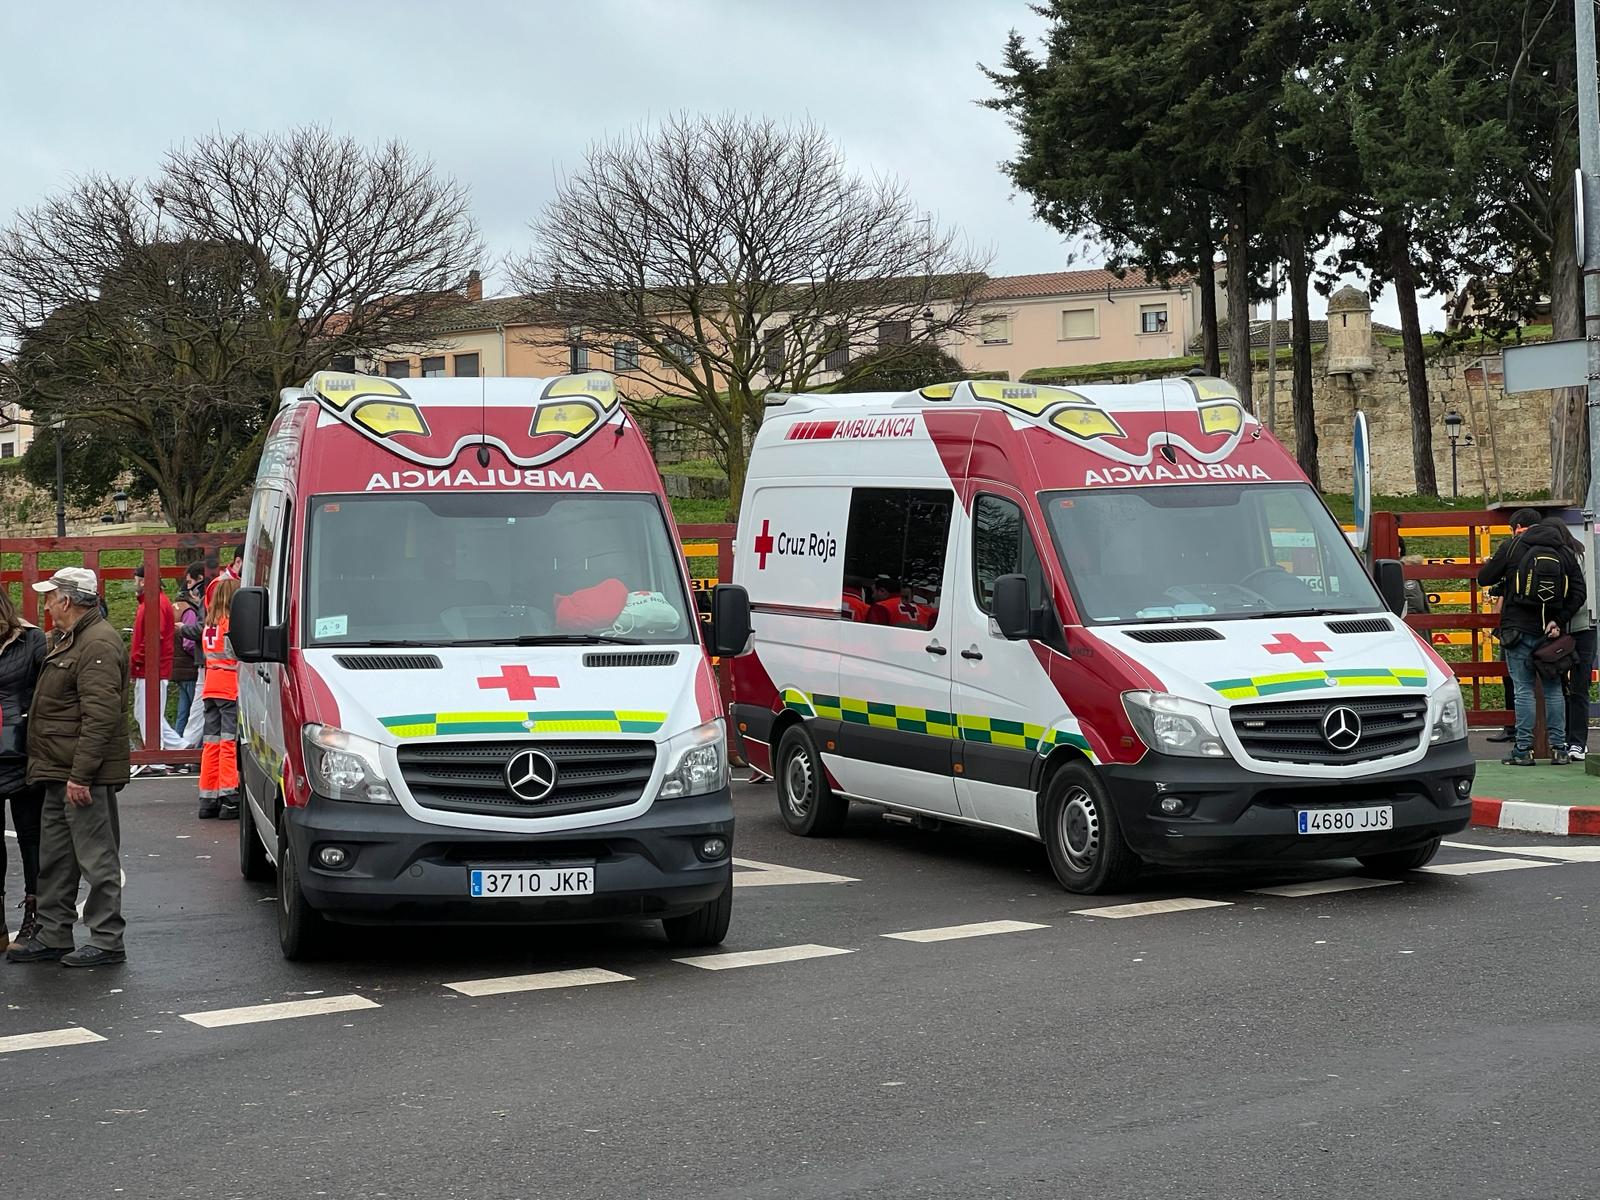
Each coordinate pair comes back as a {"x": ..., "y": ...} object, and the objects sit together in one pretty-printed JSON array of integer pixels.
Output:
[
  {"x": 809, "y": 806},
  {"x": 1087, "y": 850}
]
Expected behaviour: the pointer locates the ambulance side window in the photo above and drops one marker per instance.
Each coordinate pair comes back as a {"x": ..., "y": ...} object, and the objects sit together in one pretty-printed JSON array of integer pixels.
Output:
[
  {"x": 894, "y": 554},
  {"x": 1002, "y": 545},
  {"x": 262, "y": 566}
]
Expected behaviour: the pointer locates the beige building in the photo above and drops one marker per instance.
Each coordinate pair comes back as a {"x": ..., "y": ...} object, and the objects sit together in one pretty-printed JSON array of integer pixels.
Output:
[{"x": 16, "y": 431}]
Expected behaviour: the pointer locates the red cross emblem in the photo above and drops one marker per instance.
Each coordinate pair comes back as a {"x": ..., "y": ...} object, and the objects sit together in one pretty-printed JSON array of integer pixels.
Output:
[
  {"x": 764, "y": 545},
  {"x": 519, "y": 685},
  {"x": 1287, "y": 643}
]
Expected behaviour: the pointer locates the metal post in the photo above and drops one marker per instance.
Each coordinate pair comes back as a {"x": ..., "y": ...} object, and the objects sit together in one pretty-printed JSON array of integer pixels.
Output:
[
  {"x": 61, "y": 485},
  {"x": 1272, "y": 354},
  {"x": 1589, "y": 250},
  {"x": 1455, "y": 485}
]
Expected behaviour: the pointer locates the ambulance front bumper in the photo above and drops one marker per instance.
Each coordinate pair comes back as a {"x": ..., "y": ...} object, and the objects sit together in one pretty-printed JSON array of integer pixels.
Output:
[
  {"x": 1238, "y": 816},
  {"x": 399, "y": 869}
]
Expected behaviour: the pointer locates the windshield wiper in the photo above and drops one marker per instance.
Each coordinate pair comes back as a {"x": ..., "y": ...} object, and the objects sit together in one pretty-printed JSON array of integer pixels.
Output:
[
  {"x": 376, "y": 642},
  {"x": 1309, "y": 612},
  {"x": 1193, "y": 620},
  {"x": 555, "y": 639}
]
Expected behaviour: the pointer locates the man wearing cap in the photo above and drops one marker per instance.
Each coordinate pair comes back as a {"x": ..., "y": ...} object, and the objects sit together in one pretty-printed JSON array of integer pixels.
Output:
[{"x": 78, "y": 752}]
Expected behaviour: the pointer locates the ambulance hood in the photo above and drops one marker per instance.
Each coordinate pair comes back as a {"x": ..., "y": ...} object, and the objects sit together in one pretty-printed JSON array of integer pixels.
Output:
[
  {"x": 649, "y": 692},
  {"x": 1222, "y": 663}
]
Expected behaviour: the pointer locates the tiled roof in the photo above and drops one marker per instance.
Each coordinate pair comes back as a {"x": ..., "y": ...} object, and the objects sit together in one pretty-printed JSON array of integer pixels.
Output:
[{"x": 1076, "y": 283}]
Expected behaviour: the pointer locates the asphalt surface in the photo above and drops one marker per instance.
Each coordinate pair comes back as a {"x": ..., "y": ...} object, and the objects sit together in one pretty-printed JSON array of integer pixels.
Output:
[{"x": 1431, "y": 1037}]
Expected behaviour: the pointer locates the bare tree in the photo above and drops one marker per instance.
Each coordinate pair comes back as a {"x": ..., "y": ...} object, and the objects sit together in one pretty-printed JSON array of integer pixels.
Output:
[
  {"x": 171, "y": 311},
  {"x": 737, "y": 256}
]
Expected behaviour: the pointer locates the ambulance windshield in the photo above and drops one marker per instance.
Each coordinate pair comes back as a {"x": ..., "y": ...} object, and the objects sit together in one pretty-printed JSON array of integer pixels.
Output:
[
  {"x": 441, "y": 569},
  {"x": 1212, "y": 551}
]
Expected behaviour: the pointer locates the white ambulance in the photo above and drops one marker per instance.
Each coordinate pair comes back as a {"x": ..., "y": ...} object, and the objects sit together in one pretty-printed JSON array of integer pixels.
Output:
[
  {"x": 1116, "y": 619},
  {"x": 472, "y": 687}
]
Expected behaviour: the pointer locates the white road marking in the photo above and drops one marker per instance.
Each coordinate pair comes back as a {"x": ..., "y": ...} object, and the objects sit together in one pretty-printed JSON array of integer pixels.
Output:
[
  {"x": 218, "y": 1018},
  {"x": 760, "y": 874},
  {"x": 1321, "y": 887},
  {"x": 1564, "y": 853},
  {"x": 538, "y": 982},
  {"x": 759, "y": 958},
  {"x": 74, "y": 1035},
  {"x": 1150, "y": 908},
  {"x": 952, "y": 932},
  {"x": 1482, "y": 866}
]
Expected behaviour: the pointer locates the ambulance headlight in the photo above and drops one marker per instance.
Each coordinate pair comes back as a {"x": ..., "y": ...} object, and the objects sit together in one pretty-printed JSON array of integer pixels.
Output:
[
  {"x": 343, "y": 766},
  {"x": 697, "y": 762},
  {"x": 1449, "y": 713},
  {"x": 1173, "y": 725}
]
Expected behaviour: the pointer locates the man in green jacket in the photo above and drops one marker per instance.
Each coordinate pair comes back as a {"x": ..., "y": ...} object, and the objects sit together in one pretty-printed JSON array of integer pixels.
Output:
[{"x": 78, "y": 752}]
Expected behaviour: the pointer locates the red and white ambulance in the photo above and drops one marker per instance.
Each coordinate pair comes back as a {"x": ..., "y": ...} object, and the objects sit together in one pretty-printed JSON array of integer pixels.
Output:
[
  {"x": 1117, "y": 619},
  {"x": 472, "y": 686}
]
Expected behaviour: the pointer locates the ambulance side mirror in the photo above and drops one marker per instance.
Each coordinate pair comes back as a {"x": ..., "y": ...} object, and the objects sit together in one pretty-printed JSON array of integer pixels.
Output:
[
  {"x": 1012, "y": 612},
  {"x": 1390, "y": 577},
  {"x": 730, "y": 620},
  {"x": 252, "y": 639}
]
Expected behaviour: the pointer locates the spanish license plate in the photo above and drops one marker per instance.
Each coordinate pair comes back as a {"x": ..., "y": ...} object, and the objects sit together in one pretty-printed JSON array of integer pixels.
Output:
[
  {"x": 489, "y": 883},
  {"x": 1347, "y": 820}
]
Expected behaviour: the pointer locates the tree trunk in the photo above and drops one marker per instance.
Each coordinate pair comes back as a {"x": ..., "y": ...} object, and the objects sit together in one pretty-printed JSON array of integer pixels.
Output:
[
  {"x": 1209, "y": 349},
  {"x": 1397, "y": 239},
  {"x": 1239, "y": 364},
  {"x": 1305, "y": 417},
  {"x": 738, "y": 462},
  {"x": 1568, "y": 435}
]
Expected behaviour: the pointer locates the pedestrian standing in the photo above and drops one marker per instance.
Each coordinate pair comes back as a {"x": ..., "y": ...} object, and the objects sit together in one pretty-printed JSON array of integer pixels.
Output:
[
  {"x": 78, "y": 751},
  {"x": 161, "y": 670},
  {"x": 188, "y": 655},
  {"x": 1543, "y": 590},
  {"x": 219, "y": 761},
  {"x": 234, "y": 570},
  {"x": 1577, "y": 680},
  {"x": 22, "y": 648}
]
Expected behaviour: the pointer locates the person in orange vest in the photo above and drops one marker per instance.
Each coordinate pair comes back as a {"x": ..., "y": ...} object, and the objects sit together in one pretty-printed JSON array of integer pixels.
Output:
[{"x": 219, "y": 763}]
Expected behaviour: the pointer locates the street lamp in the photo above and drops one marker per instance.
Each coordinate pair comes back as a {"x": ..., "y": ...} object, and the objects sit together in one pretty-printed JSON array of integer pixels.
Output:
[
  {"x": 1452, "y": 426},
  {"x": 121, "y": 501},
  {"x": 58, "y": 428}
]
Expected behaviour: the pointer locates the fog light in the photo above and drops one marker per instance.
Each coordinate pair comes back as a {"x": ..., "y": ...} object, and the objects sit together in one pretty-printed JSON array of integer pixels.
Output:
[
  {"x": 1464, "y": 788},
  {"x": 713, "y": 848},
  {"x": 332, "y": 857},
  {"x": 1173, "y": 806}
]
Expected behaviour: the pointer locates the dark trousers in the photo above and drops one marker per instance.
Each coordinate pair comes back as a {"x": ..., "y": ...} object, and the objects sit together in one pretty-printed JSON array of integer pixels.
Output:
[
  {"x": 1577, "y": 685},
  {"x": 26, "y": 807},
  {"x": 80, "y": 845}
]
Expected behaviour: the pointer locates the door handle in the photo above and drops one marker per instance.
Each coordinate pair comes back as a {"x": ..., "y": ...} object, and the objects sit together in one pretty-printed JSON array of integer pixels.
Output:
[
  {"x": 972, "y": 653},
  {"x": 935, "y": 648}
]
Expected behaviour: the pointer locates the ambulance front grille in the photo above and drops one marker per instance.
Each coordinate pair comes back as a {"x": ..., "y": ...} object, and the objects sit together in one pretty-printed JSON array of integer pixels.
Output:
[
  {"x": 1292, "y": 731},
  {"x": 470, "y": 777}
]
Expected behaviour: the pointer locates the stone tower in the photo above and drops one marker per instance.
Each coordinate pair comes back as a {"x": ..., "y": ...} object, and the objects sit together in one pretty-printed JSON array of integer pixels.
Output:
[{"x": 1349, "y": 334}]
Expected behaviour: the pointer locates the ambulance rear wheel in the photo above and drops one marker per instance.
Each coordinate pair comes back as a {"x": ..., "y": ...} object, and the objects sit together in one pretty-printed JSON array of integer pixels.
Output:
[
  {"x": 1087, "y": 850},
  {"x": 809, "y": 806}
]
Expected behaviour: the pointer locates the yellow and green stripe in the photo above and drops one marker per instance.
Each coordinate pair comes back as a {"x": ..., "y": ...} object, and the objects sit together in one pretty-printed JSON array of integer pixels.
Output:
[
  {"x": 595, "y": 720},
  {"x": 1254, "y": 687},
  {"x": 965, "y": 727}
]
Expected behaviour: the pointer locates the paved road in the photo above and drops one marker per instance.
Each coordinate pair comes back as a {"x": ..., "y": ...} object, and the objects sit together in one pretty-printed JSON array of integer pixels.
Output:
[{"x": 1433, "y": 1036}]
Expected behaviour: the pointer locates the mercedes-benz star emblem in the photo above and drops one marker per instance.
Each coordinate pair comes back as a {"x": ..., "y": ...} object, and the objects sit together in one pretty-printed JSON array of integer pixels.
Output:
[
  {"x": 531, "y": 775},
  {"x": 1341, "y": 728}
]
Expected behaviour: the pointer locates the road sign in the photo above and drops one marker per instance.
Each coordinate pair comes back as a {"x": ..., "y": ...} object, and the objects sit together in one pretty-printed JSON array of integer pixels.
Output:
[{"x": 1546, "y": 365}]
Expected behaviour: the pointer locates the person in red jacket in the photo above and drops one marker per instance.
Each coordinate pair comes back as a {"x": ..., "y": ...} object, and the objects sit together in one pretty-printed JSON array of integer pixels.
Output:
[{"x": 139, "y": 669}]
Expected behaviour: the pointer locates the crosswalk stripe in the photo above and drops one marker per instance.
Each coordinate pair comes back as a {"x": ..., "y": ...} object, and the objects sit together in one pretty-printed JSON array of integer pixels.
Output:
[
  {"x": 759, "y": 958},
  {"x": 1482, "y": 867},
  {"x": 950, "y": 933},
  {"x": 289, "y": 1009},
  {"x": 74, "y": 1035},
  {"x": 1322, "y": 887},
  {"x": 1150, "y": 908},
  {"x": 760, "y": 874},
  {"x": 537, "y": 982}
]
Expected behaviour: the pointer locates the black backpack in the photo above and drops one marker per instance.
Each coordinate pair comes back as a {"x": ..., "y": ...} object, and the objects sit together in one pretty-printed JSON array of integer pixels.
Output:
[{"x": 1539, "y": 578}]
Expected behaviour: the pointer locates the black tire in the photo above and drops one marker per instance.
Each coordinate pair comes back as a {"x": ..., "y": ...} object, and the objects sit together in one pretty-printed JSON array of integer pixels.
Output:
[
  {"x": 302, "y": 930},
  {"x": 706, "y": 925},
  {"x": 1401, "y": 860},
  {"x": 1087, "y": 850},
  {"x": 254, "y": 864},
  {"x": 809, "y": 806}
]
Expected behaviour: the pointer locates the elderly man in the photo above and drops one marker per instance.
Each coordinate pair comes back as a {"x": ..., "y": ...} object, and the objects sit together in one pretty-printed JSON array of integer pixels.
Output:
[{"x": 78, "y": 752}]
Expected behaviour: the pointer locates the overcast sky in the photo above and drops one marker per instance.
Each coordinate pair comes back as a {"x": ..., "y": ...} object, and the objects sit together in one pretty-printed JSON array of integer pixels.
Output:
[{"x": 505, "y": 95}]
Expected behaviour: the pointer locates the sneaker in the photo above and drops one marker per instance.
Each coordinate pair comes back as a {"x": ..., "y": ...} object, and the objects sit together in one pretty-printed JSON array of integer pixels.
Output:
[
  {"x": 208, "y": 810},
  {"x": 228, "y": 811},
  {"x": 36, "y": 951},
  {"x": 1576, "y": 753},
  {"x": 1518, "y": 758},
  {"x": 93, "y": 956},
  {"x": 1505, "y": 735},
  {"x": 1558, "y": 757}
]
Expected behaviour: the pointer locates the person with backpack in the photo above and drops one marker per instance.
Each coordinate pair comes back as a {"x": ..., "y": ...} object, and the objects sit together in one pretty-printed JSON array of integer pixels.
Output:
[{"x": 1543, "y": 589}]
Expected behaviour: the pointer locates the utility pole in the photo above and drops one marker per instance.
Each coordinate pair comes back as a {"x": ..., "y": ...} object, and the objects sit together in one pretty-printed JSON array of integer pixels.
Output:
[{"x": 1589, "y": 249}]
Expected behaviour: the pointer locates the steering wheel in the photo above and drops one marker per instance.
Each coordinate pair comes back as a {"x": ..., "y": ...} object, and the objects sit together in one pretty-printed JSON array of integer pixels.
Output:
[{"x": 1277, "y": 571}]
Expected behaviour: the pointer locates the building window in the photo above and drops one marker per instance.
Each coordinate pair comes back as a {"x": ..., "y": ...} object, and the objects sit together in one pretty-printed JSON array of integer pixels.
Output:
[
  {"x": 894, "y": 552},
  {"x": 343, "y": 362},
  {"x": 577, "y": 358},
  {"x": 1152, "y": 318},
  {"x": 893, "y": 333},
  {"x": 398, "y": 368},
  {"x": 466, "y": 366},
  {"x": 838, "y": 357},
  {"x": 772, "y": 353},
  {"x": 996, "y": 331},
  {"x": 433, "y": 368},
  {"x": 1079, "y": 323},
  {"x": 8, "y": 449},
  {"x": 1002, "y": 545},
  {"x": 678, "y": 356},
  {"x": 625, "y": 356}
]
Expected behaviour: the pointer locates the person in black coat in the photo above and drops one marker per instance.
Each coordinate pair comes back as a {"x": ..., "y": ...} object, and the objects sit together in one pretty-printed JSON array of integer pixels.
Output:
[{"x": 22, "y": 648}]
